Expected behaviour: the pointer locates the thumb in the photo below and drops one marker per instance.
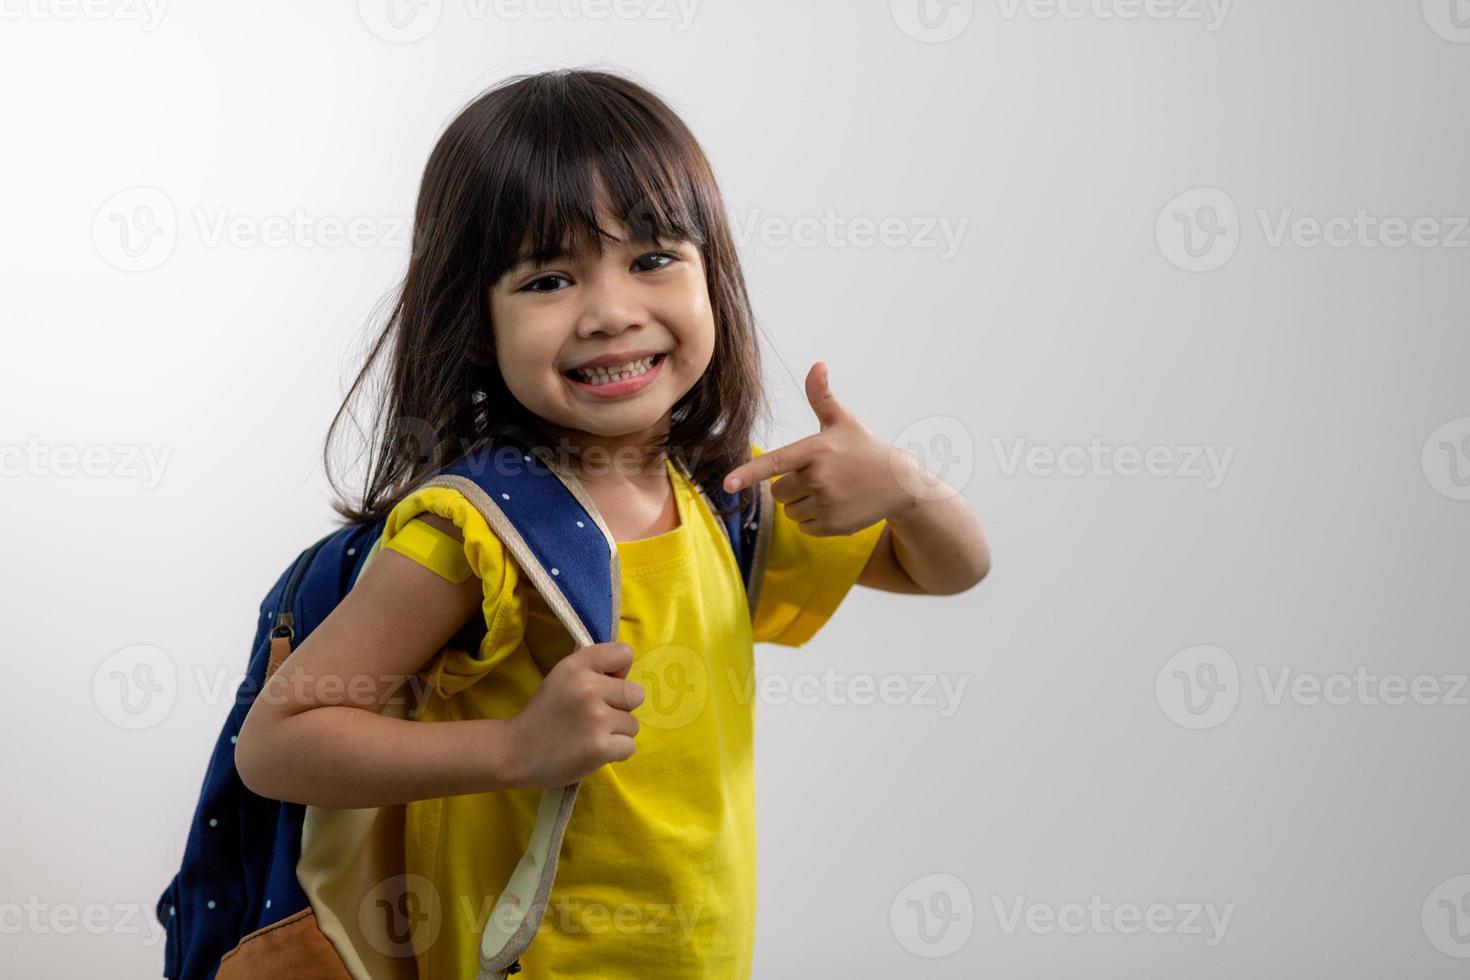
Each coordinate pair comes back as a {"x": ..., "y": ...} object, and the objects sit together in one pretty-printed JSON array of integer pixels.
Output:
[{"x": 825, "y": 404}]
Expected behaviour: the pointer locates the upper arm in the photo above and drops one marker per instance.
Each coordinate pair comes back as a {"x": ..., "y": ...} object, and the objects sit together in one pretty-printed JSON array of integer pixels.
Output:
[
  {"x": 883, "y": 572},
  {"x": 397, "y": 615}
]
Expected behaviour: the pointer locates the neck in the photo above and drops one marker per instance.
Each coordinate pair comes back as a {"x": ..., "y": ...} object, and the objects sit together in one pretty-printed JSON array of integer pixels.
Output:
[{"x": 627, "y": 457}]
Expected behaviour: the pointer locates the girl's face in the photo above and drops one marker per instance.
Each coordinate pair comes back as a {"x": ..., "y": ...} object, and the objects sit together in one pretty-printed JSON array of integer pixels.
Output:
[{"x": 640, "y": 312}]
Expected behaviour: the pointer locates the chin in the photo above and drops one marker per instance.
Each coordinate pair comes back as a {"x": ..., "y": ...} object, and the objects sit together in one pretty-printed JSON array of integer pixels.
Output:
[{"x": 623, "y": 425}]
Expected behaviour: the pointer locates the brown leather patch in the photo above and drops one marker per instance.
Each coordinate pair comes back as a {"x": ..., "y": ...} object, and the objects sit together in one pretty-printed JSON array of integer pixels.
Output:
[
  {"x": 280, "y": 650},
  {"x": 292, "y": 948}
]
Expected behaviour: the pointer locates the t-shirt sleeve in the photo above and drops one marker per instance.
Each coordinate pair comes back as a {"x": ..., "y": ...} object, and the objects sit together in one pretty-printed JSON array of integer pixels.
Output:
[
  {"x": 481, "y": 553},
  {"x": 806, "y": 577}
]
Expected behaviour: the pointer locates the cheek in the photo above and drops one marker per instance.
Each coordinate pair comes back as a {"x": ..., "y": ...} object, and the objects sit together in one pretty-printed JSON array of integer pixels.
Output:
[
  {"x": 523, "y": 351},
  {"x": 520, "y": 356},
  {"x": 697, "y": 326},
  {"x": 705, "y": 346}
]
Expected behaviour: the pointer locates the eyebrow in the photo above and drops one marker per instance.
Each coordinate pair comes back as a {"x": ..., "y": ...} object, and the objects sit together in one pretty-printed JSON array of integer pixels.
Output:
[{"x": 557, "y": 252}]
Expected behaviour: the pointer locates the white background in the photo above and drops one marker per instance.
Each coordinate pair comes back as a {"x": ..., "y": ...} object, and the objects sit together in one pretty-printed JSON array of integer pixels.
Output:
[{"x": 1073, "y": 766}]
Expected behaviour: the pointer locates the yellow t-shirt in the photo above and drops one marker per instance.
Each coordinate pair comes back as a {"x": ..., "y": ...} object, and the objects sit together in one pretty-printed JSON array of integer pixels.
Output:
[{"x": 656, "y": 877}]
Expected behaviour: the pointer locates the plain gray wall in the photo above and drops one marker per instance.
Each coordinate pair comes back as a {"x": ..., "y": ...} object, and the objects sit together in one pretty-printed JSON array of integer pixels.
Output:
[{"x": 1131, "y": 193}]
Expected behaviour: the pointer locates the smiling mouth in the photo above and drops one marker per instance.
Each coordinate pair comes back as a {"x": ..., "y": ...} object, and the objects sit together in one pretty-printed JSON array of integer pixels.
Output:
[{"x": 597, "y": 377}]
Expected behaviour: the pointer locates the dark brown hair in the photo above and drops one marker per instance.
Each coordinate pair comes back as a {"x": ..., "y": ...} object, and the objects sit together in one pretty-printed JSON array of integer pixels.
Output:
[{"x": 520, "y": 173}]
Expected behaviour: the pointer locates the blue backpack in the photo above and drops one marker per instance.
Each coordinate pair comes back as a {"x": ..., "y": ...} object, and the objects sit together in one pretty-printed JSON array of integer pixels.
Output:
[{"x": 295, "y": 892}]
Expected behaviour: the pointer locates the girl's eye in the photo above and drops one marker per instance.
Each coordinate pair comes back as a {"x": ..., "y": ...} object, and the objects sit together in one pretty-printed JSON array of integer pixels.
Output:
[
  {"x": 530, "y": 286},
  {"x": 659, "y": 255}
]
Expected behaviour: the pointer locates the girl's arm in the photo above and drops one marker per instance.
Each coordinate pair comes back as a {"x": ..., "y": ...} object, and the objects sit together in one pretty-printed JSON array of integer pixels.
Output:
[
  {"x": 315, "y": 733},
  {"x": 931, "y": 546},
  {"x": 843, "y": 479}
]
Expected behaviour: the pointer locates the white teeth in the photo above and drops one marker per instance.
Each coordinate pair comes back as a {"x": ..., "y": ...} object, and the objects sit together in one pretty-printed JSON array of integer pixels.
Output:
[{"x": 617, "y": 372}]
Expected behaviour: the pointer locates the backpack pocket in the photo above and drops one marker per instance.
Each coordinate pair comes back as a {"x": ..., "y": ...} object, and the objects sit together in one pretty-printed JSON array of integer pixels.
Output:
[{"x": 293, "y": 947}]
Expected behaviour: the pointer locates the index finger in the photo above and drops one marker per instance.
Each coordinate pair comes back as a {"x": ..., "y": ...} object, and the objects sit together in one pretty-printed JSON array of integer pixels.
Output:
[
  {"x": 612, "y": 659},
  {"x": 774, "y": 463}
]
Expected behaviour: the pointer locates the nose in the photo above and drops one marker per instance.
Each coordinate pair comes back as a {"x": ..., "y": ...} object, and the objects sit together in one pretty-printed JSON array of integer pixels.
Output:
[{"x": 609, "y": 306}]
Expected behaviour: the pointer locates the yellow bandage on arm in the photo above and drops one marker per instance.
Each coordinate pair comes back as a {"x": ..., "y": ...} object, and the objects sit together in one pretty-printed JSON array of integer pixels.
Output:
[{"x": 432, "y": 548}]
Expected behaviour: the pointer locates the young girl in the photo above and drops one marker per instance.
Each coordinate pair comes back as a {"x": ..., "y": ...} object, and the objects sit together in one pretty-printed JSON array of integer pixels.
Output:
[{"x": 573, "y": 276}]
